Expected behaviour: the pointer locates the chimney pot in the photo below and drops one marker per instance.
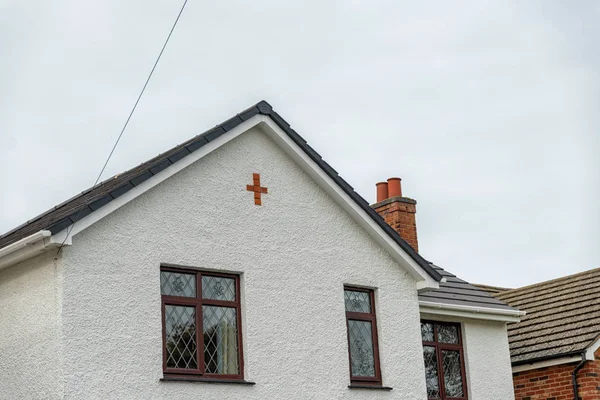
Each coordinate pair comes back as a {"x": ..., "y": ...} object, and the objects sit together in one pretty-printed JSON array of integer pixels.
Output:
[
  {"x": 394, "y": 188},
  {"x": 382, "y": 191}
]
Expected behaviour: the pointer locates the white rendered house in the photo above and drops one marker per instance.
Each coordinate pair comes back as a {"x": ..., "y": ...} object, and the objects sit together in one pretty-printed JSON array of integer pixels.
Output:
[{"x": 239, "y": 265}]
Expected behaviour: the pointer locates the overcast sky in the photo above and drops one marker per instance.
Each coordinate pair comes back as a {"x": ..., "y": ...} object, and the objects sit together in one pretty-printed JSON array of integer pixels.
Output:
[{"x": 488, "y": 110}]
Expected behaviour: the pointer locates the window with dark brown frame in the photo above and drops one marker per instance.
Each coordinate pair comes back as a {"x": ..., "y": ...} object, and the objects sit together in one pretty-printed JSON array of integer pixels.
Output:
[
  {"x": 361, "y": 323},
  {"x": 444, "y": 361},
  {"x": 201, "y": 319}
]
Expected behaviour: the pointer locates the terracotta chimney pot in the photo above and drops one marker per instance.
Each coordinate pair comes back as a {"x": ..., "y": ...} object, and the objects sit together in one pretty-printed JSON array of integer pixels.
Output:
[
  {"x": 382, "y": 191},
  {"x": 394, "y": 188}
]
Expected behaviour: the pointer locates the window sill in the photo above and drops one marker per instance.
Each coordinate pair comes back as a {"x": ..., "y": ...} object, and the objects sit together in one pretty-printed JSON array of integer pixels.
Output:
[
  {"x": 207, "y": 380},
  {"x": 371, "y": 387}
]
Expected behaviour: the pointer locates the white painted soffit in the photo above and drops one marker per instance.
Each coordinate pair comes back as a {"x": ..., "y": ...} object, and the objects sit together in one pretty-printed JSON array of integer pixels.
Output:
[
  {"x": 25, "y": 248},
  {"x": 269, "y": 127},
  {"x": 473, "y": 312}
]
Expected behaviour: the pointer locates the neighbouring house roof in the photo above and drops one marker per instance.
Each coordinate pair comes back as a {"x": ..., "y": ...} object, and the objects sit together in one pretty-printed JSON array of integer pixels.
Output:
[
  {"x": 456, "y": 291},
  {"x": 563, "y": 317},
  {"x": 493, "y": 290},
  {"x": 453, "y": 291}
]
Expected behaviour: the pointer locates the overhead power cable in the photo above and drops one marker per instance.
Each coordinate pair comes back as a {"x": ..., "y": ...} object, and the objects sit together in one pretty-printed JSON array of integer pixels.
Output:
[{"x": 128, "y": 119}]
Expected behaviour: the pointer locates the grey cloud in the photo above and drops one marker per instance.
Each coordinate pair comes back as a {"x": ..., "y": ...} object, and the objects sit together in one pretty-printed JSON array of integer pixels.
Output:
[{"x": 487, "y": 109}]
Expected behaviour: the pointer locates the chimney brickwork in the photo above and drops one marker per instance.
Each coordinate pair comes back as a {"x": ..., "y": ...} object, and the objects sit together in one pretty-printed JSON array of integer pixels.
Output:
[{"x": 399, "y": 212}]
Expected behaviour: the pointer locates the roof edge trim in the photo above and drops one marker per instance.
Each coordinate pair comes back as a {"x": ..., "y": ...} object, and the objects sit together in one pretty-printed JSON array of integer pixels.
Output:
[
  {"x": 156, "y": 170},
  {"x": 527, "y": 366},
  {"x": 25, "y": 248},
  {"x": 485, "y": 313},
  {"x": 358, "y": 210}
]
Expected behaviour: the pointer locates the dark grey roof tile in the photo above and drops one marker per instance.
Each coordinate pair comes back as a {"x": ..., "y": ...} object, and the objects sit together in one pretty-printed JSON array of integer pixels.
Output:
[
  {"x": 160, "y": 166},
  {"x": 96, "y": 204},
  {"x": 56, "y": 218},
  {"x": 215, "y": 133},
  {"x": 179, "y": 155},
  {"x": 251, "y": 112},
  {"x": 227, "y": 125},
  {"x": 196, "y": 144},
  {"x": 121, "y": 190},
  {"x": 141, "y": 178}
]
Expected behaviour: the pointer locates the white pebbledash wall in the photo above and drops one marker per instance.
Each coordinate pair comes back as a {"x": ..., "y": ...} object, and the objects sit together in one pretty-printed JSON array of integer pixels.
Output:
[
  {"x": 30, "y": 330},
  {"x": 488, "y": 360},
  {"x": 294, "y": 254}
]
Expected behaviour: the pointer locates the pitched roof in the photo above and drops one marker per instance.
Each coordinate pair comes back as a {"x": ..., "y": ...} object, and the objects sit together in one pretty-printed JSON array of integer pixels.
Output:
[
  {"x": 563, "y": 317},
  {"x": 493, "y": 290},
  {"x": 83, "y": 204},
  {"x": 462, "y": 293}
]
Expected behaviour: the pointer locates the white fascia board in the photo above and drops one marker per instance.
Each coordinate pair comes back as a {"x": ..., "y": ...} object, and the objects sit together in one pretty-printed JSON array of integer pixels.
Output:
[
  {"x": 545, "y": 363},
  {"x": 473, "y": 312},
  {"x": 423, "y": 279},
  {"x": 589, "y": 352},
  {"x": 151, "y": 182},
  {"x": 271, "y": 129},
  {"x": 25, "y": 248}
]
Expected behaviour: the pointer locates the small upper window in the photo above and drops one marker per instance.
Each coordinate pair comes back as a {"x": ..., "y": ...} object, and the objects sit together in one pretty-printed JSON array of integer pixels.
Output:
[
  {"x": 362, "y": 336},
  {"x": 444, "y": 363},
  {"x": 201, "y": 324}
]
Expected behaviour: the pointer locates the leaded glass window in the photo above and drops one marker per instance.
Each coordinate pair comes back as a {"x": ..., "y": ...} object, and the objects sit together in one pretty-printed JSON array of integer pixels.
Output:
[
  {"x": 362, "y": 336},
  {"x": 201, "y": 324},
  {"x": 443, "y": 358}
]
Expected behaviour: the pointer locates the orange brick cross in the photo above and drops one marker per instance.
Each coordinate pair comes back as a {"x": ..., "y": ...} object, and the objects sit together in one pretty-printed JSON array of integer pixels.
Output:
[{"x": 257, "y": 189}]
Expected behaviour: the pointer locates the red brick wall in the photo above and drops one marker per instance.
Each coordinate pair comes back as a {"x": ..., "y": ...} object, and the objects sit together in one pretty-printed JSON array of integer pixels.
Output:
[
  {"x": 400, "y": 215},
  {"x": 556, "y": 382}
]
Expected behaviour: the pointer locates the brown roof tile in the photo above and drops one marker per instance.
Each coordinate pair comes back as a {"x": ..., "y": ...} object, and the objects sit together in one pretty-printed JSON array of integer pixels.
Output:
[
  {"x": 563, "y": 317},
  {"x": 492, "y": 290}
]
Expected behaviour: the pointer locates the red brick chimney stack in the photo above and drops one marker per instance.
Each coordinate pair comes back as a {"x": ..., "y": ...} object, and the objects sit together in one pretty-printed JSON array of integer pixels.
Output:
[{"x": 399, "y": 212}]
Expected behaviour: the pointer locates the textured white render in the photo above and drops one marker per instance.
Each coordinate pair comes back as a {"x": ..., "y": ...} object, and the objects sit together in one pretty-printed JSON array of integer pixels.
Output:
[
  {"x": 487, "y": 358},
  {"x": 295, "y": 253},
  {"x": 488, "y": 367},
  {"x": 30, "y": 337}
]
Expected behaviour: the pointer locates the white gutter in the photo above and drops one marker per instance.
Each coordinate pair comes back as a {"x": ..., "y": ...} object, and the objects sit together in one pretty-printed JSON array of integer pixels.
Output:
[
  {"x": 25, "y": 248},
  {"x": 475, "y": 312},
  {"x": 545, "y": 363}
]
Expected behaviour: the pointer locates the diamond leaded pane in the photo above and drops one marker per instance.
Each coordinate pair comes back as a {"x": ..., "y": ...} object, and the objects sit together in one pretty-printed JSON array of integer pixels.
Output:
[
  {"x": 357, "y": 301},
  {"x": 180, "y": 335},
  {"x": 452, "y": 376},
  {"x": 427, "y": 331},
  {"x": 431, "y": 372},
  {"x": 218, "y": 288},
  {"x": 362, "y": 359},
  {"x": 220, "y": 340},
  {"x": 177, "y": 284},
  {"x": 447, "y": 334}
]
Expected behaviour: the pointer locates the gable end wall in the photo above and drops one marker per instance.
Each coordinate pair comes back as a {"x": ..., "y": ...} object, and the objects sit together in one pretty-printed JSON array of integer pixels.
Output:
[{"x": 294, "y": 254}]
